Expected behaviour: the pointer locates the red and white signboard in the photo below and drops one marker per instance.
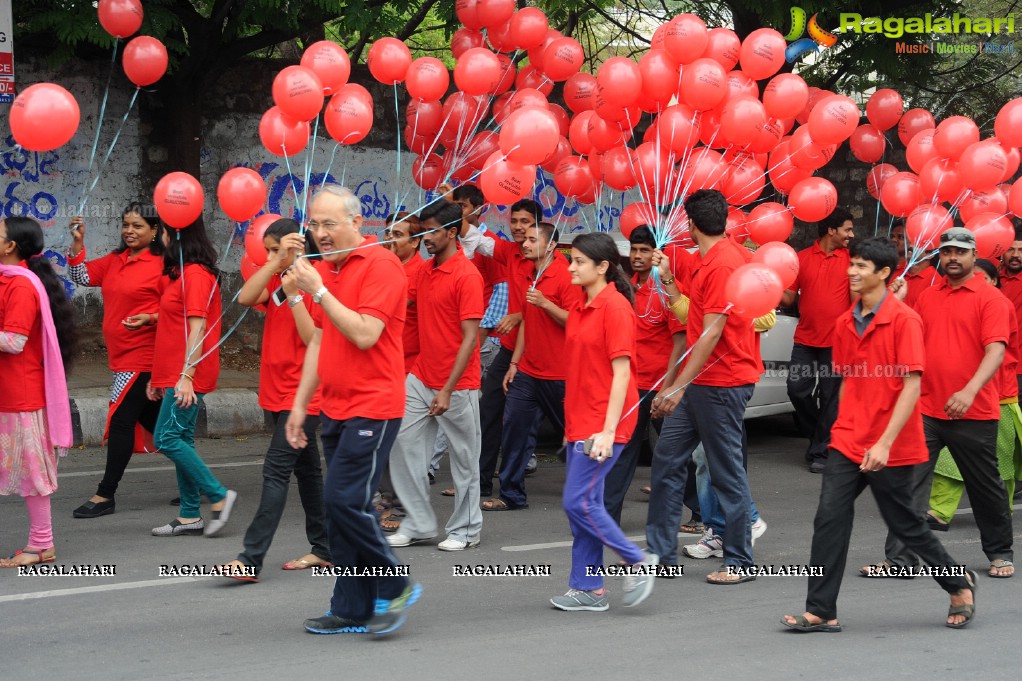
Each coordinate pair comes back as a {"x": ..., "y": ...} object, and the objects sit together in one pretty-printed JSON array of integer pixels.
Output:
[{"x": 6, "y": 52}]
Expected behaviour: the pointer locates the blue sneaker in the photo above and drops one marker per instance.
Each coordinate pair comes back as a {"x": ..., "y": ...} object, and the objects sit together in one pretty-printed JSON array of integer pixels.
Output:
[
  {"x": 389, "y": 615},
  {"x": 332, "y": 624}
]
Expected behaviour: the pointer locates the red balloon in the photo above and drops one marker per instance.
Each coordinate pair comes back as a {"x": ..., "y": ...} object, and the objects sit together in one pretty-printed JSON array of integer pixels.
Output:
[
  {"x": 532, "y": 78},
  {"x": 762, "y": 53},
  {"x": 503, "y": 182},
  {"x": 816, "y": 95},
  {"x": 508, "y": 75},
  {"x": 994, "y": 234},
  {"x": 120, "y": 18},
  {"x": 255, "y": 248},
  {"x": 925, "y": 224},
  {"x": 573, "y": 176},
  {"x": 981, "y": 164},
  {"x": 900, "y": 194},
  {"x": 603, "y": 135},
  {"x": 527, "y": 98},
  {"x": 783, "y": 173},
  {"x": 467, "y": 12},
  {"x": 785, "y": 95},
  {"x": 704, "y": 170},
  {"x": 833, "y": 120},
  {"x": 283, "y": 135},
  {"x": 912, "y": 122},
  {"x": 428, "y": 171},
  {"x": 462, "y": 115},
  {"x": 686, "y": 38},
  {"x": 145, "y": 60},
  {"x": 753, "y": 290},
  {"x": 661, "y": 76},
  {"x": 248, "y": 268},
  {"x": 44, "y": 116},
  {"x": 241, "y": 193},
  {"x": 768, "y": 135},
  {"x": 562, "y": 118},
  {"x": 298, "y": 92},
  {"x": 388, "y": 60},
  {"x": 742, "y": 119},
  {"x": 920, "y": 150},
  {"x": 427, "y": 79},
  {"x": 735, "y": 227},
  {"x": 178, "y": 197},
  {"x": 349, "y": 115},
  {"x": 579, "y": 92},
  {"x": 1015, "y": 198},
  {"x": 812, "y": 199},
  {"x": 768, "y": 222},
  {"x": 529, "y": 27},
  {"x": 939, "y": 181},
  {"x": 420, "y": 144},
  {"x": 578, "y": 132},
  {"x": 676, "y": 128},
  {"x": 781, "y": 258},
  {"x": 1014, "y": 160},
  {"x": 529, "y": 135},
  {"x": 536, "y": 54},
  {"x": 635, "y": 214},
  {"x": 953, "y": 135},
  {"x": 480, "y": 148},
  {"x": 877, "y": 176},
  {"x": 703, "y": 84},
  {"x": 983, "y": 201},
  {"x": 563, "y": 58},
  {"x": 330, "y": 62},
  {"x": 494, "y": 12},
  {"x": 807, "y": 154},
  {"x": 465, "y": 39},
  {"x": 424, "y": 118},
  {"x": 884, "y": 108},
  {"x": 477, "y": 72},
  {"x": 618, "y": 168},
  {"x": 1008, "y": 124},
  {"x": 867, "y": 143},
  {"x": 722, "y": 46},
  {"x": 743, "y": 182},
  {"x": 619, "y": 81},
  {"x": 562, "y": 151},
  {"x": 739, "y": 84}
]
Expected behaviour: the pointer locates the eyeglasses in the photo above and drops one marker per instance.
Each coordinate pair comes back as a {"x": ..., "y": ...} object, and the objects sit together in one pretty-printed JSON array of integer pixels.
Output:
[{"x": 329, "y": 225}]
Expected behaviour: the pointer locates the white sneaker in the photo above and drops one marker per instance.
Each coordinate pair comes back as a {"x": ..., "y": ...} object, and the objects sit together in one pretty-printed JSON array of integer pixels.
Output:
[
  {"x": 398, "y": 539},
  {"x": 639, "y": 585},
  {"x": 708, "y": 547},
  {"x": 759, "y": 528},
  {"x": 455, "y": 544}
]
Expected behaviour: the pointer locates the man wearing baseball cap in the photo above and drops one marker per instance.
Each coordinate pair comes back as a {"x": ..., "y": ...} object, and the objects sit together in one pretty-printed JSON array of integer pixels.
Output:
[{"x": 965, "y": 332}]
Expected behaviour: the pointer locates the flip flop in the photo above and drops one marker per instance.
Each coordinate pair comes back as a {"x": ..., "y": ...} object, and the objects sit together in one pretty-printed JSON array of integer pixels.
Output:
[
  {"x": 498, "y": 504},
  {"x": 447, "y": 492},
  {"x": 736, "y": 579},
  {"x": 1000, "y": 564},
  {"x": 804, "y": 626},
  {"x": 302, "y": 564}
]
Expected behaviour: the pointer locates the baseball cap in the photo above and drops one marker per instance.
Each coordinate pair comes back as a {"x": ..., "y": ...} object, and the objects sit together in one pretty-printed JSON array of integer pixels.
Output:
[{"x": 959, "y": 237}]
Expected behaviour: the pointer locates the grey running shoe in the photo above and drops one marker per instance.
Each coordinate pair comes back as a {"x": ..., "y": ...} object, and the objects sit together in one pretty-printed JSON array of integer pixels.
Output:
[
  {"x": 581, "y": 600},
  {"x": 332, "y": 624},
  {"x": 639, "y": 580}
]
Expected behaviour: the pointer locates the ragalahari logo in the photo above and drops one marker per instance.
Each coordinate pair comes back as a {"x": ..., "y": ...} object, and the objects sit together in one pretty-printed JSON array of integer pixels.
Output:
[{"x": 819, "y": 38}]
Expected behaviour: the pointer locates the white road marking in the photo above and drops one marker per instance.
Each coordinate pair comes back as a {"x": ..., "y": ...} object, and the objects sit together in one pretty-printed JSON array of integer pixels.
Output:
[
  {"x": 95, "y": 589},
  {"x": 154, "y": 469}
]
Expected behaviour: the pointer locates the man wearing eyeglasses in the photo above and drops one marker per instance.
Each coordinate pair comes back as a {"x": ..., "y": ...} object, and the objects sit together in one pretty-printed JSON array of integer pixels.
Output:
[
  {"x": 965, "y": 332},
  {"x": 360, "y": 317}
]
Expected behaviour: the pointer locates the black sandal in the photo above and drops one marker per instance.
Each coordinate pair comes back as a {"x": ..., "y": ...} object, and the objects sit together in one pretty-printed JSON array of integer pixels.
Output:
[{"x": 968, "y": 610}]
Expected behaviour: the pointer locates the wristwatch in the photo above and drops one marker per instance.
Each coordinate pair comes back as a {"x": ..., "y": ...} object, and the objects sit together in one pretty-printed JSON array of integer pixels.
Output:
[
  {"x": 295, "y": 299},
  {"x": 317, "y": 297}
]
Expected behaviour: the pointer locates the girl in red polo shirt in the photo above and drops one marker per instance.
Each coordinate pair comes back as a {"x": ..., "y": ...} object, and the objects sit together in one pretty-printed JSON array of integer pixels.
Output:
[
  {"x": 287, "y": 328},
  {"x": 600, "y": 398},
  {"x": 37, "y": 340},
  {"x": 130, "y": 279},
  {"x": 186, "y": 367}
]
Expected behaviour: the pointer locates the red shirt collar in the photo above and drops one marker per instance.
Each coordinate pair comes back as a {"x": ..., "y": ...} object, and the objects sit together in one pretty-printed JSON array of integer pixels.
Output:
[{"x": 973, "y": 283}]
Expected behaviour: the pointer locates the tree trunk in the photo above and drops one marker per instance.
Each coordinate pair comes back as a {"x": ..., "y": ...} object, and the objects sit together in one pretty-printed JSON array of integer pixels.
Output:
[{"x": 175, "y": 143}]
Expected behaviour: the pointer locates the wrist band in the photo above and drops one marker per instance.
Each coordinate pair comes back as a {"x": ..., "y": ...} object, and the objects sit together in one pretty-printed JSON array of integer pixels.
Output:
[
  {"x": 668, "y": 282},
  {"x": 187, "y": 376},
  {"x": 514, "y": 364}
]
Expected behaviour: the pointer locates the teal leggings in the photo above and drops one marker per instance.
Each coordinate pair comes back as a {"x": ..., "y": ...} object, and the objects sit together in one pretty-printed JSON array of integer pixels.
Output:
[{"x": 175, "y": 437}]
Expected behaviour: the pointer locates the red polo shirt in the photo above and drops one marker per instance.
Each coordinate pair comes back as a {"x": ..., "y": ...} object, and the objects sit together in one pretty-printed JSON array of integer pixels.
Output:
[
  {"x": 874, "y": 367},
  {"x": 445, "y": 296},
  {"x": 365, "y": 383},
  {"x": 283, "y": 354},
  {"x": 735, "y": 359},
  {"x": 958, "y": 324},
  {"x": 493, "y": 273},
  {"x": 543, "y": 357},
  {"x": 654, "y": 337},
  {"x": 822, "y": 285},
  {"x": 22, "y": 378},
  {"x": 596, "y": 334},
  {"x": 1007, "y": 376},
  {"x": 194, "y": 294},
  {"x": 130, "y": 286},
  {"x": 508, "y": 255},
  {"x": 916, "y": 283},
  {"x": 1011, "y": 286},
  {"x": 411, "y": 333},
  {"x": 683, "y": 264}
]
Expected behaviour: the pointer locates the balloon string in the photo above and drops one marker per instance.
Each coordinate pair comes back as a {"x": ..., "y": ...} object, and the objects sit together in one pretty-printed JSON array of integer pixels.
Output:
[
  {"x": 99, "y": 123},
  {"x": 294, "y": 186},
  {"x": 109, "y": 151},
  {"x": 308, "y": 170},
  {"x": 397, "y": 135}
]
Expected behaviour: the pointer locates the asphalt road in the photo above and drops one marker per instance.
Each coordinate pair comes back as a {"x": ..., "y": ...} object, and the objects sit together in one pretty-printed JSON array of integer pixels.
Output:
[{"x": 138, "y": 625}]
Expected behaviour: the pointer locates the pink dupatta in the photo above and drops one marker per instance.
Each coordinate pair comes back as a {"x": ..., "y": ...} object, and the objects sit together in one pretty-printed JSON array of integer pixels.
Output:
[{"x": 58, "y": 408}]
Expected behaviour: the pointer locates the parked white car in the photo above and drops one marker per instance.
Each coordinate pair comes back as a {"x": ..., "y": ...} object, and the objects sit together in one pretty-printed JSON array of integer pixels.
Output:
[{"x": 771, "y": 393}]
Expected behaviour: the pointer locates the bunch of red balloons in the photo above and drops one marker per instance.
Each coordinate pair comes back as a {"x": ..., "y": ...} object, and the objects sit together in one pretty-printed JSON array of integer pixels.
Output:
[{"x": 950, "y": 167}]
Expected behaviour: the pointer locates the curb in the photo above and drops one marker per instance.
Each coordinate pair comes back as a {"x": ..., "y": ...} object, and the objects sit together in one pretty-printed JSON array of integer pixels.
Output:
[{"x": 224, "y": 413}]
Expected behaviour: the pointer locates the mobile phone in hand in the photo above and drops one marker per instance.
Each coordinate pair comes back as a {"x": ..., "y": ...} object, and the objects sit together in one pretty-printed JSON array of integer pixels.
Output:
[
  {"x": 587, "y": 446},
  {"x": 279, "y": 297}
]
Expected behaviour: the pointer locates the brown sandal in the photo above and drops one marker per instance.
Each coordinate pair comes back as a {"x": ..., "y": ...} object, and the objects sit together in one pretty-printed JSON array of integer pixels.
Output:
[{"x": 304, "y": 563}]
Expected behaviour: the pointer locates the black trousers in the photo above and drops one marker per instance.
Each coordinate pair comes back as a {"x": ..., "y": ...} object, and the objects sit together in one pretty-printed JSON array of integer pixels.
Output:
[
  {"x": 813, "y": 388},
  {"x": 491, "y": 418},
  {"x": 832, "y": 528},
  {"x": 973, "y": 446},
  {"x": 135, "y": 408}
]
